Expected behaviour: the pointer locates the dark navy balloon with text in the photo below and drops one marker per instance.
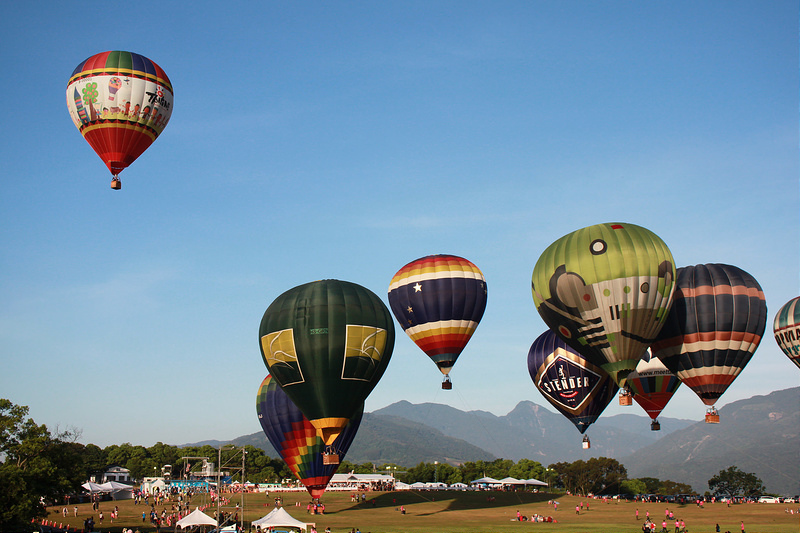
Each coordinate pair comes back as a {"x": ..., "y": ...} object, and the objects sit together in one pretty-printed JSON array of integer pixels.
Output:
[{"x": 577, "y": 388}]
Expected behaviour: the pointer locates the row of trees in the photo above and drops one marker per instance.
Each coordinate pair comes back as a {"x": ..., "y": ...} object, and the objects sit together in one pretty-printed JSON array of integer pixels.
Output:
[
  {"x": 600, "y": 475},
  {"x": 37, "y": 464}
]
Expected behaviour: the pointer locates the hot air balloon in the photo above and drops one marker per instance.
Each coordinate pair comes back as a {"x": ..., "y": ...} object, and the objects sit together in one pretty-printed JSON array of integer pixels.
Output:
[
  {"x": 577, "y": 388},
  {"x": 715, "y": 325},
  {"x": 787, "y": 329},
  {"x": 439, "y": 301},
  {"x": 606, "y": 290},
  {"x": 327, "y": 343},
  {"x": 296, "y": 440},
  {"x": 120, "y": 102},
  {"x": 652, "y": 385}
]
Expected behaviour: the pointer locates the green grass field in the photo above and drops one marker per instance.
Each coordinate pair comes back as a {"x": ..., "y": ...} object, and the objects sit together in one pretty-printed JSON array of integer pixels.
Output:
[{"x": 452, "y": 511}]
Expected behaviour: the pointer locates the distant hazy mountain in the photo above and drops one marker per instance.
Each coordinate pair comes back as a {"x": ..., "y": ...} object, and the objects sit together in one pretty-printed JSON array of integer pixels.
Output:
[
  {"x": 760, "y": 435},
  {"x": 533, "y": 432},
  {"x": 388, "y": 439}
]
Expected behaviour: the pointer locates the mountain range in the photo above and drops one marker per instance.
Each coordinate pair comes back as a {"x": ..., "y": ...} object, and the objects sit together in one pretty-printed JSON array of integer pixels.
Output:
[{"x": 759, "y": 435}]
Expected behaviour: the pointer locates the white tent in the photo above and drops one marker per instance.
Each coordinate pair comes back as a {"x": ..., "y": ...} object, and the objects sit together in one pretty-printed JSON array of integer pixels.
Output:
[
  {"x": 536, "y": 482},
  {"x": 118, "y": 491},
  {"x": 278, "y": 517},
  {"x": 512, "y": 481},
  {"x": 485, "y": 481},
  {"x": 196, "y": 518},
  {"x": 94, "y": 488}
]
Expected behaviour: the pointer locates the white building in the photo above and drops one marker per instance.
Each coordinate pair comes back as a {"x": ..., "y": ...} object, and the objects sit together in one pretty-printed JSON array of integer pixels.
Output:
[{"x": 112, "y": 473}]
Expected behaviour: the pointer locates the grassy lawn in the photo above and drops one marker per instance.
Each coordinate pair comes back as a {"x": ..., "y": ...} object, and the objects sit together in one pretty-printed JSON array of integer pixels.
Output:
[{"x": 452, "y": 511}]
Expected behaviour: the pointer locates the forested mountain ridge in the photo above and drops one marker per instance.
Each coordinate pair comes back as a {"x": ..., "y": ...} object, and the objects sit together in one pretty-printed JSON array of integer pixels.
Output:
[{"x": 760, "y": 434}]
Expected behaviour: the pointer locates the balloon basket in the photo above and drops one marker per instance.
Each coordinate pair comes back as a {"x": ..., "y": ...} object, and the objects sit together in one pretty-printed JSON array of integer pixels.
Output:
[
  {"x": 447, "y": 385},
  {"x": 625, "y": 398},
  {"x": 655, "y": 425},
  {"x": 116, "y": 184},
  {"x": 330, "y": 458},
  {"x": 712, "y": 418},
  {"x": 586, "y": 444}
]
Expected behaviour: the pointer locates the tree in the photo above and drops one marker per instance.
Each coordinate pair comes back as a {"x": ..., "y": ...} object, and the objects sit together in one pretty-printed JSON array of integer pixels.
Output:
[
  {"x": 734, "y": 482},
  {"x": 673, "y": 487},
  {"x": 633, "y": 486},
  {"x": 35, "y": 465},
  {"x": 527, "y": 469},
  {"x": 598, "y": 475}
]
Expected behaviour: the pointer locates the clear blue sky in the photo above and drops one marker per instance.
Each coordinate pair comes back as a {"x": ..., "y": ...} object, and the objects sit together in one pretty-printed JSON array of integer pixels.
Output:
[{"x": 316, "y": 140}]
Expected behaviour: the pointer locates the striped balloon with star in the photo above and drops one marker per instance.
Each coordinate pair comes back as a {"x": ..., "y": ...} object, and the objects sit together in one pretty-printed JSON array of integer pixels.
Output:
[{"x": 439, "y": 301}]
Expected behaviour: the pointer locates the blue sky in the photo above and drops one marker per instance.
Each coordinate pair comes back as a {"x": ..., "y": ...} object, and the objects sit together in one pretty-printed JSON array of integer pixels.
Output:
[{"x": 316, "y": 140}]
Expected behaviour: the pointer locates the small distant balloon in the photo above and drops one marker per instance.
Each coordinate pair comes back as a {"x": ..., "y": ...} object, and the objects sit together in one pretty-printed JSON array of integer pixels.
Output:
[
  {"x": 652, "y": 385},
  {"x": 787, "y": 329}
]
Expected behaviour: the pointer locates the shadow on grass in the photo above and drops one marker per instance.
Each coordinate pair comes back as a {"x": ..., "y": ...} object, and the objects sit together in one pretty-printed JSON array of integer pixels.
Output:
[{"x": 455, "y": 500}]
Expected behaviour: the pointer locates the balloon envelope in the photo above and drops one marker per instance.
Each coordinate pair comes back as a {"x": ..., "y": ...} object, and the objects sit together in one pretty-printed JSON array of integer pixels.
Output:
[
  {"x": 715, "y": 325},
  {"x": 327, "y": 343},
  {"x": 439, "y": 300},
  {"x": 120, "y": 102},
  {"x": 578, "y": 389},
  {"x": 296, "y": 439},
  {"x": 787, "y": 329},
  {"x": 606, "y": 290},
  {"x": 652, "y": 384}
]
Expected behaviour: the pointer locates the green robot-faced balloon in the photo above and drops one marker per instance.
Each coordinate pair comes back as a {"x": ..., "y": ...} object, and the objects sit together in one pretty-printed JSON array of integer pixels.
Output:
[
  {"x": 327, "y": 343},
  {"x": 606, "y": 290}
]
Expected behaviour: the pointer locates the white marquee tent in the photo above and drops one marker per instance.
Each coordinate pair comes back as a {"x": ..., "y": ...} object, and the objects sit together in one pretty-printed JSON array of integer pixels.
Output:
[
  {"x": 196, "y": 518},
  {"x": 278, "y": 517},
  {"x": 118, "y": 491}
]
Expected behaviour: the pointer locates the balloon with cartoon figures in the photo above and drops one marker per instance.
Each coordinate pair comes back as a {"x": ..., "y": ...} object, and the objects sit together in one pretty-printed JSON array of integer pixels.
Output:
[
  {"x": 606, "y": 291},
  {"x": 120, "y": 102}
]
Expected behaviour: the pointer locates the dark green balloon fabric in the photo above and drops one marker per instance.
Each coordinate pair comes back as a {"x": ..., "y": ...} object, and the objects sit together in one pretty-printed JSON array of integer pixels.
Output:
[{"x": 327, "y": 343}]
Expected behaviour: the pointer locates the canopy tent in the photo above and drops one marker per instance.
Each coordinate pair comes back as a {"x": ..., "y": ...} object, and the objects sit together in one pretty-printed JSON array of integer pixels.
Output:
[
  {"x": 485, "y": 481},
  {"x": 93, "y": 488},
  {"x": 536, "y": 482},
  {"x": 154, "y": 485},
  {"x": 278, "y": 517},
  {"x": 515, "y": 481},
  {"x": 196, "y": 518},
  {"x": 118, "y": 491}
]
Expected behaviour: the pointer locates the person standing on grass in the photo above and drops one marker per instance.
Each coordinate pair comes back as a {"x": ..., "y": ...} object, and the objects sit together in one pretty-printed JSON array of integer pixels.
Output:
[
  {"x": 577, "y": 509},
  {"x": 637, "y": 514}
]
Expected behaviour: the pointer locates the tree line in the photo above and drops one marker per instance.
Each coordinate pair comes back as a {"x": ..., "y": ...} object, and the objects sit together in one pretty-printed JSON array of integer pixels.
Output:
[{"x": 37, "y": 464}]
